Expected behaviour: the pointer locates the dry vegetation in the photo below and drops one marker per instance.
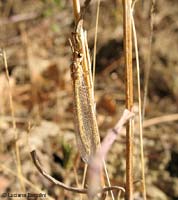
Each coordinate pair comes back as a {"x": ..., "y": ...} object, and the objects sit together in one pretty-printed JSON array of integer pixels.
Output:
[{"x": 36, "y": 98}]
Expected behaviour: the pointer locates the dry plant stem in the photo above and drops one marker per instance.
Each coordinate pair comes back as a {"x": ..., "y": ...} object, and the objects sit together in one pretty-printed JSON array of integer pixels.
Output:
[
  {"x": 140, "y": 110},
  {"x": 19, "y": 18},
  {"x": 149, "y": 62},
  {"x": 62, "y": 185},
  {"x": 95, "y": 41},
  {"x": 76, "y": 177},
  {"x": 33, "y": 74},
  {"x": 119, "y": 195},
  {"x": 75, "y": 166},
  {"x": 84, "y": 175},
  {"x": 95, "y": 165},
  {"x": 158, "y": 120},
  {"x": 27, "y": 182},
  {"x": 17, "y": 152},
  {"x": 129, "y": 96},
  {"x": 107, "y": 178},
  {"x": 147, "y": 123},
  {"x": 94, "y": 69},
  {"x": 76, "y": 10}
]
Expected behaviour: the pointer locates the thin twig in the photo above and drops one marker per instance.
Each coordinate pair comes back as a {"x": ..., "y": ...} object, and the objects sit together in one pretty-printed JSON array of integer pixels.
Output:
[
  {"x": 95, "y": 165},
  {"x": 17, "y": 152},
  {"x": 95, "y": 40},
  {"x": 140, "y": 108},
  {"x": 62, "y": 185},
  {"x": 94, "y": 69},
  {"x": 149, "y": 61},
  {"x": 158, "y": 120},
  {"x": 107, "y": 178},
  {"x": 147, "y": 123},
  {"x": 19, "y": 18},
  {"x": 84, "y": 175},
  {"x": 33, "y": 73}
]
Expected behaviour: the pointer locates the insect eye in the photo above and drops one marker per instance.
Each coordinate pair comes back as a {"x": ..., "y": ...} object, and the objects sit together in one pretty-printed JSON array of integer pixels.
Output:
[{"x": 79, "y": 55}]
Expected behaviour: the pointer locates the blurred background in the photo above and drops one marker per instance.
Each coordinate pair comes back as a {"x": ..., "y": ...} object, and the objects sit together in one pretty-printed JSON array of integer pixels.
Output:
[{"x": 35, "y": 37}]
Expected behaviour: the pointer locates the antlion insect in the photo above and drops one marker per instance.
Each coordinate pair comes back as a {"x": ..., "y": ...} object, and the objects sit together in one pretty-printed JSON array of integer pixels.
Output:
[{"x": 87, "y": 133}]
